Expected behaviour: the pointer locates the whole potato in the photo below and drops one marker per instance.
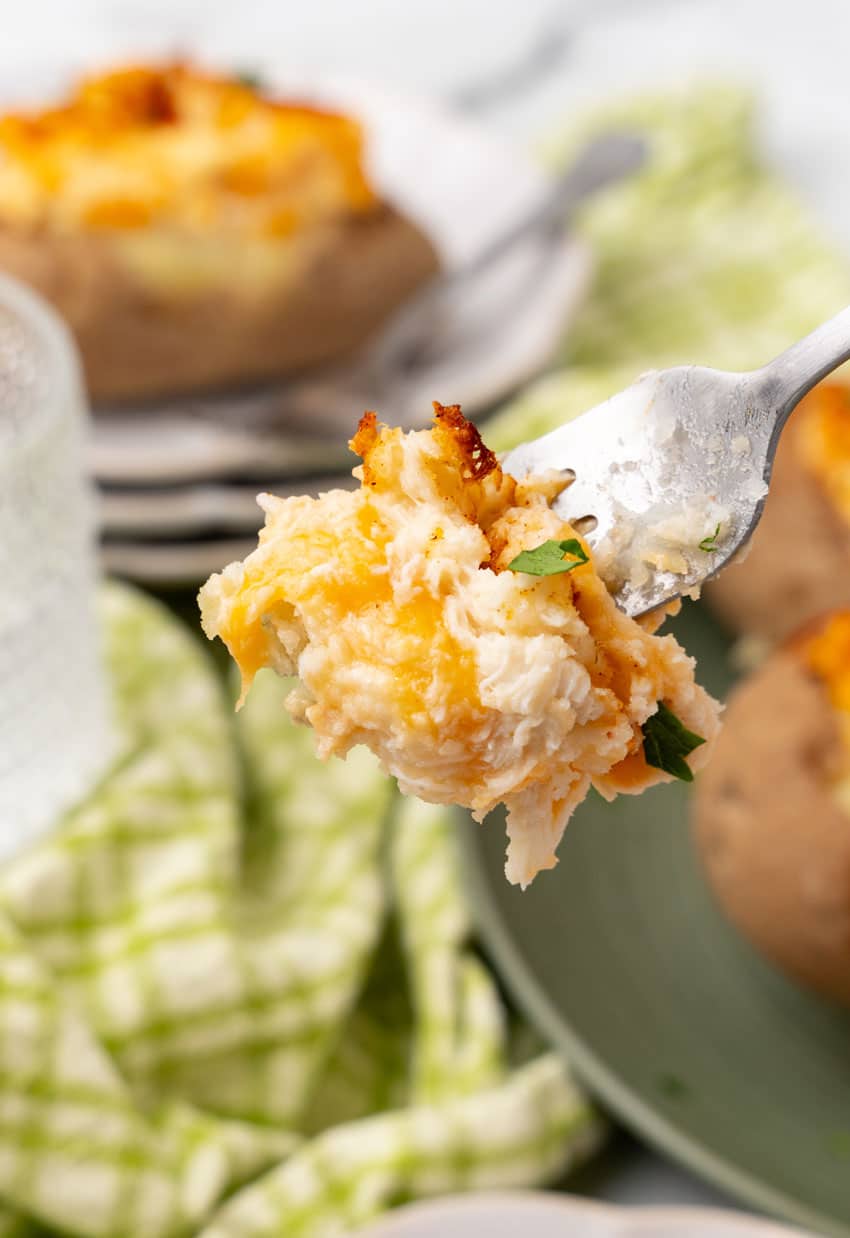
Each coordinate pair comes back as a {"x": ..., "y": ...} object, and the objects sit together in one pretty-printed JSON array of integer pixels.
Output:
[{"x": 770, "y": 827}]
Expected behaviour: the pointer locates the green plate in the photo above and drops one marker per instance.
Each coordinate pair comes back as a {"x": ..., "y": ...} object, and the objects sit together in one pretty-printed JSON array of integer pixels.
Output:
[{"x": 621, "y": 958}]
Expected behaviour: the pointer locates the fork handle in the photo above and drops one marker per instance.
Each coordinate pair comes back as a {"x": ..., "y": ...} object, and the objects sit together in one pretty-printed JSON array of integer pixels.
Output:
[{"x": 783, "y": 382}]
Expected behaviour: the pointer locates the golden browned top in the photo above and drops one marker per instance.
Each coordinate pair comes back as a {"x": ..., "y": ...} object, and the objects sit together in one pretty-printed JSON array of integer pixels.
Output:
[
  {"x": 462, "y": 469},
  {"x": 172, "y": 146},
  {"x": 366, "y": 435}
]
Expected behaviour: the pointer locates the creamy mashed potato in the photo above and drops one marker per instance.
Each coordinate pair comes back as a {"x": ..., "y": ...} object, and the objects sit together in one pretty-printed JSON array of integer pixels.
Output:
[{"x": 474, "y": 684}]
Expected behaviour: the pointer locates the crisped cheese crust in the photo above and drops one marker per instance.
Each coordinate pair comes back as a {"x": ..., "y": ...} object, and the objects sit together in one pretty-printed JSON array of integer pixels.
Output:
[
  {"x": 183, "y": 151},
  {"x": 473, "y": 684}
]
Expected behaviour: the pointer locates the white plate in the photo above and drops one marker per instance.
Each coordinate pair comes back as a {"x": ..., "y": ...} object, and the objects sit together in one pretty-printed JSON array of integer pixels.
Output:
[{"x": 536, "y": 1214}]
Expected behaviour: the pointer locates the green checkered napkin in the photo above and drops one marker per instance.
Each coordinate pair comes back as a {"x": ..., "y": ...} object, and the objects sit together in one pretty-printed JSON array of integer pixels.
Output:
[
  {"x": 236, "y": 990},
  {"x": 237, "y": 993}
]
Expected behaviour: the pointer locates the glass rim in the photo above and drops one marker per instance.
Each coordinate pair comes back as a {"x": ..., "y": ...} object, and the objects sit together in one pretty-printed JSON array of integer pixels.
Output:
[{"x": 53, "y": 346}]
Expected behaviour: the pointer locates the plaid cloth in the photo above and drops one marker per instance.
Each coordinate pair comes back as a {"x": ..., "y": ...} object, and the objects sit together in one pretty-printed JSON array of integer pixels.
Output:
[
  {"x": 237, "y": 992},
  {"x": 230, "y": 966}
]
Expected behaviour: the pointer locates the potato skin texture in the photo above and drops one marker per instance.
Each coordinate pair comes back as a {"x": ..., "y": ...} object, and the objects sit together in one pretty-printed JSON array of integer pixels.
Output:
[
  {"x": 773, "y": 840},
  {"x": 137, "y": 342},
  {"x": 798, "y": 565}
]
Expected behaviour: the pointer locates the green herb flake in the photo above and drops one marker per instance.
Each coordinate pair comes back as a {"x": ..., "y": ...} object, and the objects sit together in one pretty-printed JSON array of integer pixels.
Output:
[
  {"x": 666, "y": 743},
  {"x": 672, "y": 1086},
  {"x": 547, "y": 559},
  {"x": 709, "y": 544}
]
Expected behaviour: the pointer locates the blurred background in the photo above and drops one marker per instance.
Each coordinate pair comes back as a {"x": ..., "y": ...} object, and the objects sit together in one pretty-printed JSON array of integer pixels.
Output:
[
  {"x": 517, "y": 85},
  {"x": 529, "y": 65},
  {"x": 245, "y": 994}
]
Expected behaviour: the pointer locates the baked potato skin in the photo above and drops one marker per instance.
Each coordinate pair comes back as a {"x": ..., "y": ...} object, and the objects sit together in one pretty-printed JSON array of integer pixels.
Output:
[
  {"x": 773, "y": 840},
  {"x": 138, "y": 342},
  {"x": 798, "y": 565}
]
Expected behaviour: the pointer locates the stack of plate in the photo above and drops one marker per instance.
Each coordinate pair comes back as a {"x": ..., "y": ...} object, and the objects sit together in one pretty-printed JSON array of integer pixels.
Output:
[
  {"x": 501, "y": 1214},
  {"x": 179, "y": 479},
  {"x": 179, "y": 482}
]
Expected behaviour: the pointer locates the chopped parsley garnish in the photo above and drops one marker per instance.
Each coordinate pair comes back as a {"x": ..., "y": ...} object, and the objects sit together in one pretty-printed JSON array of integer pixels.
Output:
[
  {"x": 666, "y": 743},
  {"x": 547, "y": 559},
  {"x": 709, "y": 544}
]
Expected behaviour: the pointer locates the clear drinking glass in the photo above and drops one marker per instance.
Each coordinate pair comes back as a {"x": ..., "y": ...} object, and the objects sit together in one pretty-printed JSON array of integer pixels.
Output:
[{"x": 55, "y": 733}]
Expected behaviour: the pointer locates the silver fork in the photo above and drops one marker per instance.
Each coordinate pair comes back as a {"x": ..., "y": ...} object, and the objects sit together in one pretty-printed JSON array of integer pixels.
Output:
[
  {"x": 423, "y": 329},
  {"x": 671, "y": 475}
]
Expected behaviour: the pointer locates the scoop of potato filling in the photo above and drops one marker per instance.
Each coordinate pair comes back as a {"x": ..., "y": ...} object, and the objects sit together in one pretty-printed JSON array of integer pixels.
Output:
[{"x": 412, "y": 630}]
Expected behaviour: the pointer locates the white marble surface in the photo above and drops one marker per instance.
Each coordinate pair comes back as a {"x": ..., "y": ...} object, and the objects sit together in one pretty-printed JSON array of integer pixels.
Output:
[{"x": 793, "y": 54}]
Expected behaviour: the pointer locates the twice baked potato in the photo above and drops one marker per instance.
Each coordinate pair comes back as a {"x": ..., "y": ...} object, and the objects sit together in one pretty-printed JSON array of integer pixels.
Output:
[
  {"x": 196, "y": 234},
  {"x": 772, "y": 808},
  {"x": 798, "y": 565}
]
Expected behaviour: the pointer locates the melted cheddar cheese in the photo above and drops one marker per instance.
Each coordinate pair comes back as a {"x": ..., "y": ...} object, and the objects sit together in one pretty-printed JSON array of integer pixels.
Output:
[
  {"x": 474, "y": 684},
  {"x": 827, "y": 653},
  {"x": 171, "y": 148},
  {"x": 823, "y": 419}
]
